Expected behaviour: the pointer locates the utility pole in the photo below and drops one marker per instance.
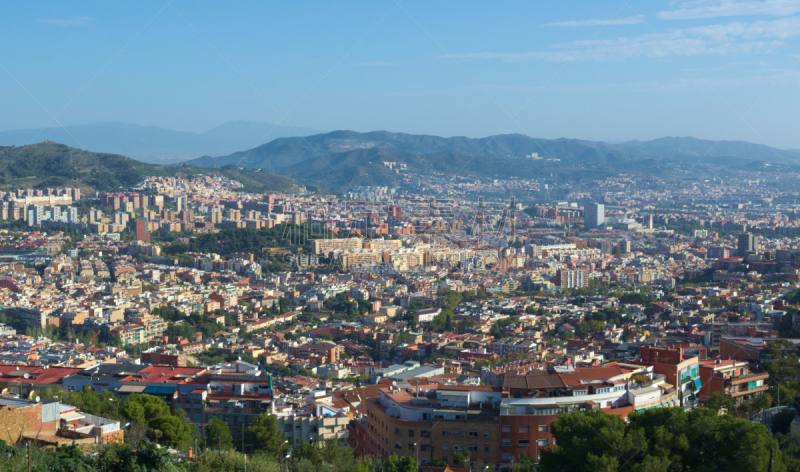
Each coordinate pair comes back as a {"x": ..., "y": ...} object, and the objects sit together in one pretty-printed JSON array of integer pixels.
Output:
[{"x": 29, "y": 456}]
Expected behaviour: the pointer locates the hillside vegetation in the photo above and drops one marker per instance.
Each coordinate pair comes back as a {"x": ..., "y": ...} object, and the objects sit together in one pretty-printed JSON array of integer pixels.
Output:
[{"x": 50, "y": 164}]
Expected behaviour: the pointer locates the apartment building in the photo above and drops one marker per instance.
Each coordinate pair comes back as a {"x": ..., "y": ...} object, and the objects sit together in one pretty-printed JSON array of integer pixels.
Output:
[
  {"x": 430, "y": 424},
  {"x": 572, "y": 278},
  {"x": 532, "y": 402},
  {"x": 732, "y": 378},
  {"x": 506, "y": 346},
  {"x": 325, "y": 246},
  {"x": 680, "y": 366}
]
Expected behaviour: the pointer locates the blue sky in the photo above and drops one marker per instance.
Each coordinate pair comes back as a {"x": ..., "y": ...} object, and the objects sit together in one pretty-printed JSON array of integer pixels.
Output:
[{"x": 599, "y": 70}]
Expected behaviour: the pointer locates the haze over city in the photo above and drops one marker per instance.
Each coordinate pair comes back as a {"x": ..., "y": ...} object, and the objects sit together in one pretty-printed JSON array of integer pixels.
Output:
[{"x": 604, "y": 71}]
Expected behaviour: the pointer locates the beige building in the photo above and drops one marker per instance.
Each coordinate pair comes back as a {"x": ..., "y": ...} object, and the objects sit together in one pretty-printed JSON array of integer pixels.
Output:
[{"x": 324, "y": 246}]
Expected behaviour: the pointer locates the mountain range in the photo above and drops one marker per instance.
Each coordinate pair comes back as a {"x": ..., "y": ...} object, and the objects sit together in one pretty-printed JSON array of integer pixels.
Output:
[
  {"x": 152, "y": 143},
  {"x": 340, "y": 160}
]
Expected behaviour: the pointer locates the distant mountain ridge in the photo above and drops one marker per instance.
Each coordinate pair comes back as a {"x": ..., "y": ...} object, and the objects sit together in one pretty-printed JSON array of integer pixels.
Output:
[
  {"x": 700, "y": 148},
  {"x": 287, "y": 152},
  {"x": 152, "y": 143}
]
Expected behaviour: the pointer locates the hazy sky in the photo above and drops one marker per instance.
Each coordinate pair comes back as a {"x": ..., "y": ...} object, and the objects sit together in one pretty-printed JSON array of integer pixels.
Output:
[{"x": 600, "y": 70}]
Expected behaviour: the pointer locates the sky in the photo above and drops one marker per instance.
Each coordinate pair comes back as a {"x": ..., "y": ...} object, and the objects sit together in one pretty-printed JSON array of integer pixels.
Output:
[{"x": 600, "y": 70}]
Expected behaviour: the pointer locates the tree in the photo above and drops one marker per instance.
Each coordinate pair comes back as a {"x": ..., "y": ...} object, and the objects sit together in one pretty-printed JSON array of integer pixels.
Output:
[
  {"x": 719, "y": 402},
  {"x": 462, "y": 459},
  {"x": 263, "y": 432},
  {"x": 162, "y": 426},
  {"x": 583, "y": 440},
  {"x": 170, "y": 430},
  {"x": 662, "y": 439},
  {"x": 122, "y": 458},
  {"x": 218, "y": 435},
  {"x": 525, "y": 465},
  {"x": 400, "y": 464}
]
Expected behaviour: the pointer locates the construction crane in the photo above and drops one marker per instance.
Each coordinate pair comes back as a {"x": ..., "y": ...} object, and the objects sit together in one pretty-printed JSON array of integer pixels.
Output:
[{"x": 94, "y": 337}]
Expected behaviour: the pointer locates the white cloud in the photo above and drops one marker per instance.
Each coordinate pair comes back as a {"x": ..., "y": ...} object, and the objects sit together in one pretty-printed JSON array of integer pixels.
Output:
[
  {"x": 82, "y": 21},
  {"x": 731, "y": 38},
  {"x": 631, "y": 20},
  {"x": 733, "y": 8}
]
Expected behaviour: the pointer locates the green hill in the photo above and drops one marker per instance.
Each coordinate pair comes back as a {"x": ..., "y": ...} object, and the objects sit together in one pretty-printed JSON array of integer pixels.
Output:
[
  {"x": 50, "y": 164},
  {"x": 340, "y": 172},
  {"x": 285, "y": 152}
]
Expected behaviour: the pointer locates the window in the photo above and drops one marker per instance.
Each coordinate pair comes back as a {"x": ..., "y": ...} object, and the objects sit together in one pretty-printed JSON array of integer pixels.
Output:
[
  {"x": 410, "y": 433},
  {"x": 398, "y": 445},
  {"x": 472, "y": 448},
  {"x": 461, "y": 417},
  {"x": 444, "y": 446},
  {"x": 543, "y": 428},
  {"x": 523, "y": 428},
  {"x": 458, "y": 433},
  {"x": 398, "y": 431},
  {"x": 506, "y": 428},
  {"x": 425, "y": 434},
  {"x": 473, "y": 434},
  {"x": 505, "y": 442},
  {"x": 444, "y": 432},
  {"x": 543, "y": 442},
  {"x": 486, "y": 448},
  {"x": 458, "y": 447},
  {"x": 524, "y": 443},
  {"x": 425, "y": 447},
  {"x": 486, "y": 434},
  {"x": 523, "y": 455},
  {"x": 426, "y": 417},
  {"x": 506, "y": 456}
]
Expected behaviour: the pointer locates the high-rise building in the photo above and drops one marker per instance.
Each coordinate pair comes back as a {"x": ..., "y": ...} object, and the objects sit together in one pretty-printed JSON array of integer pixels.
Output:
[
  {"x": 594, "y": 215},
  {"x": 180, "y": 203},
  {"x": 142, "y": 230},
  {"x": 746, "y": 242},
  {"x": 216, "y": 216},
  {"x": 72, "y": 215},
  {"x": 572, "y": 278},
  {"x": 35, "y": 215}
]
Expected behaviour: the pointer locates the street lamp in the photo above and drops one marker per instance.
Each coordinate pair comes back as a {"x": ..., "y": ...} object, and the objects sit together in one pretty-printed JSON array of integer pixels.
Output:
[{"x": 117, "y": 404}]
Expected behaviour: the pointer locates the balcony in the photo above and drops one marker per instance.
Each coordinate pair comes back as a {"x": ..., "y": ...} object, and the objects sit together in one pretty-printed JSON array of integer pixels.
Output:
[
  {"x": 747, "y": 378},
  {"x": 734, "y": 392},
  {"x": 234, "y": 410}
]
